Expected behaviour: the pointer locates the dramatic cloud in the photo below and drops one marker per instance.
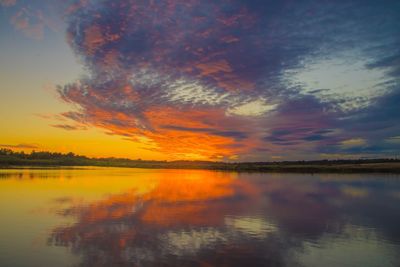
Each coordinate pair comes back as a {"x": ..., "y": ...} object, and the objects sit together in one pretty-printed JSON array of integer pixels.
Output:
[{"x": 234, "y": 79}]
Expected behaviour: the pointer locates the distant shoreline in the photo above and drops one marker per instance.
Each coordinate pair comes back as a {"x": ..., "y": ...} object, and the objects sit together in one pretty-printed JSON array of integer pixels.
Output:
[
  {"x": 388, "y": 167},
  {"x": 10, "y": 160}
]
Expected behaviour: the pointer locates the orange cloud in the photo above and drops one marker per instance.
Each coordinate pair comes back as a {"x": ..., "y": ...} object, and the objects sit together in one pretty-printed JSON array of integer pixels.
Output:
[{"x": 94, "y": 39}]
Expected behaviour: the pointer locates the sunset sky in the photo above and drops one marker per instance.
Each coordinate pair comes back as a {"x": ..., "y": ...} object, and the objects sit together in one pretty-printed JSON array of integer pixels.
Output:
[{"x": 231, "y": 80}]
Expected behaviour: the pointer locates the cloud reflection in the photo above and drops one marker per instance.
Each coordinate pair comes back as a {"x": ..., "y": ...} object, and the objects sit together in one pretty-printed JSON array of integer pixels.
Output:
[{"x": 213, "y": 218}]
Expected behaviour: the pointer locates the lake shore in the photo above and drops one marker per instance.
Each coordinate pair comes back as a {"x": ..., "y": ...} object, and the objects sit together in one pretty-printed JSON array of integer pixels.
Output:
[
  {"x": 10, "y": 160},
  {"x": 306, "y": 167}
]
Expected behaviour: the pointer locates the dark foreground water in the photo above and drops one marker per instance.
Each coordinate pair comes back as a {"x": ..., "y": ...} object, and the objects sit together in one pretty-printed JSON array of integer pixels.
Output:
[{"x": 138, "y": 217}]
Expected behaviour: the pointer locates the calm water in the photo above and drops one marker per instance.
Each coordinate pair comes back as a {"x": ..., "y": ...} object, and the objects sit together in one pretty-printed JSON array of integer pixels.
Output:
[{"x": 138, "y": 217}]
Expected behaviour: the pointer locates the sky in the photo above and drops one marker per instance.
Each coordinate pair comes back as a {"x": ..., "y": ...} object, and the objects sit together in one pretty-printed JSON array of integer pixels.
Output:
[{"x": 230, "y": 80}]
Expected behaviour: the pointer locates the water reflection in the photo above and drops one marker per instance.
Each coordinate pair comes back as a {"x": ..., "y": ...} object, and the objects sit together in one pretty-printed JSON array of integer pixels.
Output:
[
  {"x": 216, "y": 219},
  {"x": 125, "y": 217}
]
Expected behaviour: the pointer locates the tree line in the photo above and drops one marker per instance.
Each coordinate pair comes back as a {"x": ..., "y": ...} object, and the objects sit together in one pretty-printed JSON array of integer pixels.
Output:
[{"x": 9, "y": 158}]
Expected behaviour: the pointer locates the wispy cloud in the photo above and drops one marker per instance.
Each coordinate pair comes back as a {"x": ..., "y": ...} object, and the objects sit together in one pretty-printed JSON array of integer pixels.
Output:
[
  {"x": 8, "y": 2},
  {"x": 33, "y": 19},
  {"x": 29, "y": 23},
  {"x": 69, "y": 127},
  {"x": 19, "y": 146}
]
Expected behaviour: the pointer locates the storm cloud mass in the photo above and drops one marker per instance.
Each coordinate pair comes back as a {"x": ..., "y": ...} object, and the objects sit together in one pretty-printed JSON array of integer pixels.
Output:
[{"x": 240, "y": 80}]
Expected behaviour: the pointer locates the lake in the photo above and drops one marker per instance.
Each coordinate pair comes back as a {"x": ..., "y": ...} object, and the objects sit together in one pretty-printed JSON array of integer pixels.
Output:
[{"x": 147, "y": 217}]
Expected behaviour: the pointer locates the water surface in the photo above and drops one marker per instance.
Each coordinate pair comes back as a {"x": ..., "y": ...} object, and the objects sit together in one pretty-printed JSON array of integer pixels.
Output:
[{"x": 139, "y": 217}]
